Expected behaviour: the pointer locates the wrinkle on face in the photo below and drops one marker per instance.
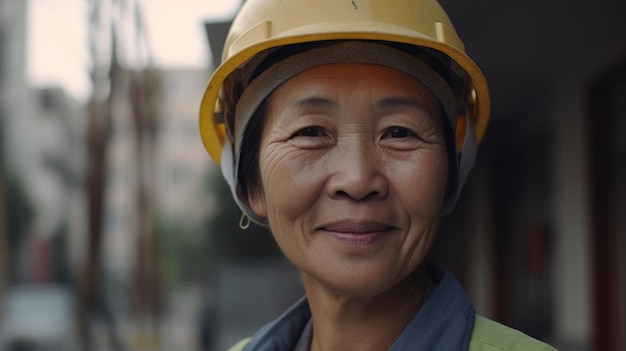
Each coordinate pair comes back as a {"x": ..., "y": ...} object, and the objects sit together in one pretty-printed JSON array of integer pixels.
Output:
[{"x": 312, "y": 178}]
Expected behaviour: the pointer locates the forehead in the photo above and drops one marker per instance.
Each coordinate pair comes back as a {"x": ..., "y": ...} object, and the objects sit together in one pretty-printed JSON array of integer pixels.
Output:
[
  {"x": 350, "y": 73},
  {"x": 347, "y": 82}
]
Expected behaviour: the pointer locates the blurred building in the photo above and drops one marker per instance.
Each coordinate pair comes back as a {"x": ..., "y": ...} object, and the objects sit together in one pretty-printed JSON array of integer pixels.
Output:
[
  {"x": 181, "y": 201},
  {"x": 540, "y": 235},
  {"x": 182, "y": 166},
  {"x": 43, "y": 198},
  {"x": 42, "y": 147},
  {"x": 180, "y": 169},
  {"x": 12, "y": 86}
]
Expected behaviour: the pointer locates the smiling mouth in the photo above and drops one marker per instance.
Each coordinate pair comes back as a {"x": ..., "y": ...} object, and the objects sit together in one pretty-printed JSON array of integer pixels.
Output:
[
  {"x": 357, "y": 233},
  {"x": 357, "y": 228}
]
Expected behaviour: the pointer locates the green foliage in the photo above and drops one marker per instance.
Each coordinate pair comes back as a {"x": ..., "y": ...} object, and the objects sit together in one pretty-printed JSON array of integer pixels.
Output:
[
  {"x": 174, "y": 259},
  {"x": 20, "y": 213},
  {"x": 20, "y": 210}
]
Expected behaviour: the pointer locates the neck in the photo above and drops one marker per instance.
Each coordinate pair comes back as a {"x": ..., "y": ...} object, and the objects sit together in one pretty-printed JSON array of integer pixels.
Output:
[{"x": 349, "y": 322}]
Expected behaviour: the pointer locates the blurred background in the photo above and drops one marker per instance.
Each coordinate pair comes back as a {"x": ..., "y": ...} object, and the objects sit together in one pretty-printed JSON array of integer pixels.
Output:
[{"x": 117, "y": 232}]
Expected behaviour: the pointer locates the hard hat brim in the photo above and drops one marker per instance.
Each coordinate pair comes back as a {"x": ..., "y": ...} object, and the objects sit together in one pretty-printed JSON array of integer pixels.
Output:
[{"x": 259, "y": 38}]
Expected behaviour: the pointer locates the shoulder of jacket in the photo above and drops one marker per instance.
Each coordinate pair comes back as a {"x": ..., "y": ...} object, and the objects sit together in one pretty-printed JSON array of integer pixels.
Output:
[
  {"x": 489, "y": 335},
  {"x": 240, "y": 345}
]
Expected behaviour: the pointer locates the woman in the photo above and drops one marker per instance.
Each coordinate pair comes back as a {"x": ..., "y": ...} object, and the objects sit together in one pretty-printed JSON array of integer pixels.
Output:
[{"x": 348, "y": 127}]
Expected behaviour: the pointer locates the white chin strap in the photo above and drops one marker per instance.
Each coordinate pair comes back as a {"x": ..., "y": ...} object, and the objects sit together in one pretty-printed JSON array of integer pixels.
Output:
[{"x": 465, "y": 161}]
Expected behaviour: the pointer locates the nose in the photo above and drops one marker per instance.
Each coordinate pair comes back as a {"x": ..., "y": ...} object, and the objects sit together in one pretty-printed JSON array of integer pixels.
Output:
[{"x": 357, "y": 172}]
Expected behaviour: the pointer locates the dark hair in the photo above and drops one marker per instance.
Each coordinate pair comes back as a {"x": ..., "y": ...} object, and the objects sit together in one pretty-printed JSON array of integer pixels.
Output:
[
  {"x": 248, "y": 173},
  {"x": 453, "y": 173}
]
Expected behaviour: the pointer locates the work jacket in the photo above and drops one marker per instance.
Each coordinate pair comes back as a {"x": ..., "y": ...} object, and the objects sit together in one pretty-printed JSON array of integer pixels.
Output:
[{"x": 445, "y": 322}]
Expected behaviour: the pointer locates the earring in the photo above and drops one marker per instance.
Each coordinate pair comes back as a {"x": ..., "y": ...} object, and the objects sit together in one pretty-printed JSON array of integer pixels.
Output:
[{"x": 244, "y": 222}]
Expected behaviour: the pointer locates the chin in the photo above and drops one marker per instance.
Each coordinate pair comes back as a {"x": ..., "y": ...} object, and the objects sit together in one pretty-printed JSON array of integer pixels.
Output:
[{"x": 369, "y": 279}]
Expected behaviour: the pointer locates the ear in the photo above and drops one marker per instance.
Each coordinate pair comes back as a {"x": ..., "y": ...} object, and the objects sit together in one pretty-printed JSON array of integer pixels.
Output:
[{"x": 257, "y": 201}]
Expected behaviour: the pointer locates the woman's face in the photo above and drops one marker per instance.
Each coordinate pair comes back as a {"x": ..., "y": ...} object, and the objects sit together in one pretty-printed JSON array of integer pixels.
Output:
[{"x": 353, "y": 172}]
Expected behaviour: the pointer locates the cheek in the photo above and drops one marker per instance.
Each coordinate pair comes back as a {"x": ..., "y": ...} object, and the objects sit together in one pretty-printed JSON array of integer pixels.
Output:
[
  {"x": 291, "y": 184},
  {"x": 291, "y": 200},
  {"x": 422, "y": 184}
]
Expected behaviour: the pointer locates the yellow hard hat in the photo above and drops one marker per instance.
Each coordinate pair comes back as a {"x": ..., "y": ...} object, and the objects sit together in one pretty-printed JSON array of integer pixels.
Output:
[{"x": 265, "y": 25}]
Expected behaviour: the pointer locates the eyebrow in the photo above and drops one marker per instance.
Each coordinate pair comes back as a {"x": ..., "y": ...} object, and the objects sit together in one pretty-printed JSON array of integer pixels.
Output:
[
  {"x": 313, "y": 101},
  {"x": 393, "y": 102},
  {"x": 390, "y": 102}
]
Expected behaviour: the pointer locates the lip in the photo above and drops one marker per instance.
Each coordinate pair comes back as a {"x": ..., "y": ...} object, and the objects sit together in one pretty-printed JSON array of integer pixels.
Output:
[{"x": 356, "y": 232}]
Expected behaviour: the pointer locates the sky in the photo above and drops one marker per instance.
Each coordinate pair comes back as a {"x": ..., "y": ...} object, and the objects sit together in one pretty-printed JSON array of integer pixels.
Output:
[{"x": 57, "y": 50}]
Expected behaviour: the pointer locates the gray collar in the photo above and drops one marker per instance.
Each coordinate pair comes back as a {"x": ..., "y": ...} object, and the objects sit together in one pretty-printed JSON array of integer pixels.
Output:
[
  {"x": 304, "y": 342},
  {"x": 444, "y": 322}
]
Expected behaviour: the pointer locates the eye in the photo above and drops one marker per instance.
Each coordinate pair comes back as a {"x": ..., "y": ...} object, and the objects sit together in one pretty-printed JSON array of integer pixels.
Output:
[
  {"x": 312, "y": 137},
  {"x": 400, "y": 138},
  {"x": 310, "y": 132},
  {"x": 398, "y": 132}
]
